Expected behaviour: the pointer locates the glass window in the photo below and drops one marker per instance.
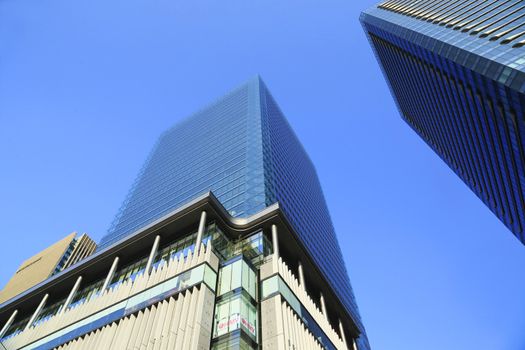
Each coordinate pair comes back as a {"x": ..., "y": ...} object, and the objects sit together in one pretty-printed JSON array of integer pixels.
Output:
[
  {"x": 225, "y": 279},
  {"x": 233, "y": 313},
  {"x": 237, "y": 275}
]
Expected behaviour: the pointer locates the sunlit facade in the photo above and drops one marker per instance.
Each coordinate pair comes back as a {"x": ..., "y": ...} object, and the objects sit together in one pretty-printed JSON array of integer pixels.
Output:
[
  {"x": 243, "y": 150},
  {"x": 197, "y": 278},
  {"x": 52, "y": 260},
  {"x": 224, "y": 242}
]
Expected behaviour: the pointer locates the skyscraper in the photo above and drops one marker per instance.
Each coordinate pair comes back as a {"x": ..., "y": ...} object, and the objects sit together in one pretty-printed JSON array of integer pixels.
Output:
[
  {"x": 457, "y": 72},
  {"x": 264, "y": 268},
  {"x": 59, "y": 256}
]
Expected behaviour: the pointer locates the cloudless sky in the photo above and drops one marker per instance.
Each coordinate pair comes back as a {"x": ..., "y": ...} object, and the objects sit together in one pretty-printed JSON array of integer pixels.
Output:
[{"x": 86, "y": 86}]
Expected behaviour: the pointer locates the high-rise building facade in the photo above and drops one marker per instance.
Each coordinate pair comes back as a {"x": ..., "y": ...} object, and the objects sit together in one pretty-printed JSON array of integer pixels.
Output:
[
  {"x": 243, "y": 150},
  {"x": 224, "y": 242},
  {"x": 52, "y": 260},
  {"x": 457, "y": 72}
]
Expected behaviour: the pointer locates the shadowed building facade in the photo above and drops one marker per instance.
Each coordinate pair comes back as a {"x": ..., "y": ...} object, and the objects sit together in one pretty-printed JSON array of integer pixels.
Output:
[
  {"x": 255, "y": 263},
  {"x": 457, "y": 72}
]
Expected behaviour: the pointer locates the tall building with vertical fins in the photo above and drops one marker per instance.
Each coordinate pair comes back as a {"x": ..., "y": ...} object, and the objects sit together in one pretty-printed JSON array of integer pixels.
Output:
[
  {"x": 223, "y": 242},
  {"x": 457, "y": 72}
]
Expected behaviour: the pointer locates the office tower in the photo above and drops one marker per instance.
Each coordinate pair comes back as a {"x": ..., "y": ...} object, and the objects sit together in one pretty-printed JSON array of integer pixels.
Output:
[
  {"x": 224, "y": 242},
  {"x": 57, "y": 257},
  {"x": 457, "y": 72},
  {"x": 244, "y": 151}
]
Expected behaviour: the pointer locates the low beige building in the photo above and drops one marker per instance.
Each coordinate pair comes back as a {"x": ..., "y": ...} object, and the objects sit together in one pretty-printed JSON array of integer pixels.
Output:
[{"x": 48, "y": 262}]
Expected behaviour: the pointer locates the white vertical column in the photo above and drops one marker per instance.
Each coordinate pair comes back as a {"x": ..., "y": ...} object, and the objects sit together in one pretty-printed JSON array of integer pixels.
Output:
[
  {"x": 152, "y": 254},
  {"x": 71, "y": 294},
  {"x": 323, "y": 306},
  {"x": 275, "y": 242},
  {"x": 354, "y": 344},
  {"x": 301, "y": 275},
  {"x": 200, "y": 232},
  {"x": 8, "y": 323},
  {"x": 342, "y": 331},
  {"x": 37, "y": 311},
  {"x": 110, "y": 275}
]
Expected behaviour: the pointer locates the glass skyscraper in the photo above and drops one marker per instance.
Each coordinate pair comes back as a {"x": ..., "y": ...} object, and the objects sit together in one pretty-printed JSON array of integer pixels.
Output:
[
  {"x": 243, "y": 150},
  {"x": 457, "y": 72}
]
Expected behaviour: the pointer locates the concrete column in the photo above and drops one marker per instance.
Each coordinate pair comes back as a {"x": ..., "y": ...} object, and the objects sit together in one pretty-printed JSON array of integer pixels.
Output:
[
  {"x": 200, "y": 232},
  {"x": 110, "y": 275},
  {"x": 71, "y": 294},
  {"x": 8, "y": 324},
  {"x": 275, "y": 242},
  {"x": 152, "y": 254},
  {"x": 301, "y": 276},
  {"x": 37, "y": 311},
  {"x": 323, "y": 307},
  {"x": 342, "y": 331}
]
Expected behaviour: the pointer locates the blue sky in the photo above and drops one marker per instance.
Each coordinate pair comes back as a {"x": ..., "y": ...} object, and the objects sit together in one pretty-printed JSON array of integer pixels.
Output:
[{"x": 87, "y": 86}]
